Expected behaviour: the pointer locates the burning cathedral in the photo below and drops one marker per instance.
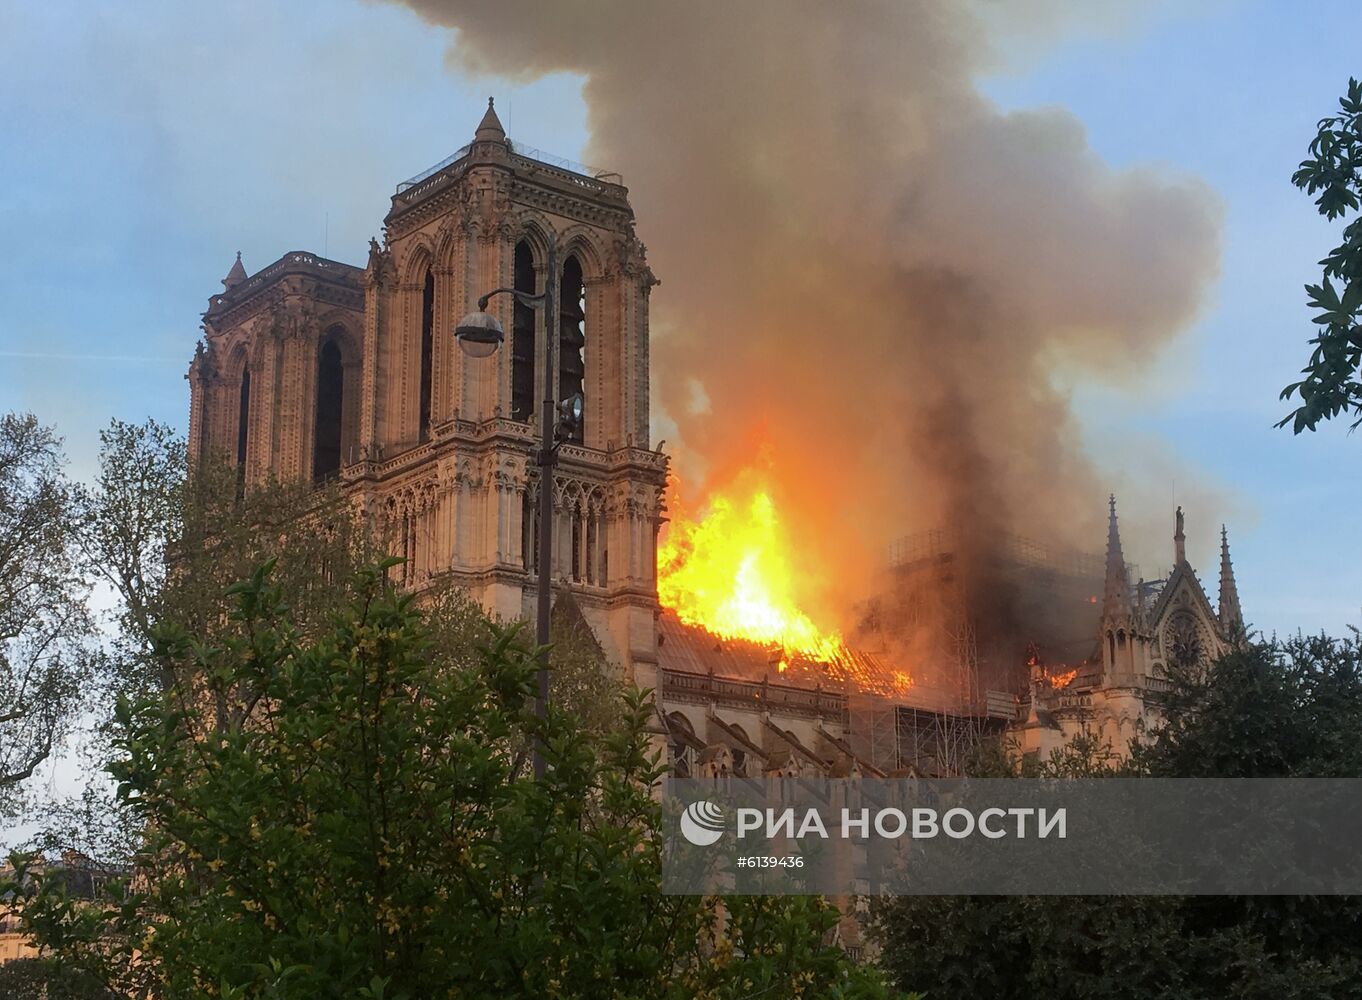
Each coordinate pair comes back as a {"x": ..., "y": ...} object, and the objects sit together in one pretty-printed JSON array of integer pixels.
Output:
[{"x": 316, "y": 370}]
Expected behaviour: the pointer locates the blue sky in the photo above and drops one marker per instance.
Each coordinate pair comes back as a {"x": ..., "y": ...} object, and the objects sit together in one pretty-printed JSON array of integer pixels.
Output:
[
  {"x": 144, "y": 144},
  {"x": 1231, "y": 94}
]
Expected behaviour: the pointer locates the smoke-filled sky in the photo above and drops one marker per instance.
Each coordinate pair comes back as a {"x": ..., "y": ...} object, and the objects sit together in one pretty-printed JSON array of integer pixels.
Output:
[
  {"x": 869, "y": 270},
  {"x": 926, "y": 260}
]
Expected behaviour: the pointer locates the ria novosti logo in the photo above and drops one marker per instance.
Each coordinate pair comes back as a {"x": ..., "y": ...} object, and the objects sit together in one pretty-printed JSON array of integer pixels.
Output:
[{"x": 702, "y": 823}]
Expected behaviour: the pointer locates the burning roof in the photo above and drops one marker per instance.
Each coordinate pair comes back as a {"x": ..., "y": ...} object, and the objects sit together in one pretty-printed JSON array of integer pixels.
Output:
[{"x": 693, "y": 649}]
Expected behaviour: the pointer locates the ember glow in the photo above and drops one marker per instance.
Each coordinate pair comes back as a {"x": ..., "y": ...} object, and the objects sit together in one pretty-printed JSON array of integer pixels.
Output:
[
  {"x": 917, "y": 415},
  {"x": 1063, "y": 680},
  {"x": 730, "y": 571}
]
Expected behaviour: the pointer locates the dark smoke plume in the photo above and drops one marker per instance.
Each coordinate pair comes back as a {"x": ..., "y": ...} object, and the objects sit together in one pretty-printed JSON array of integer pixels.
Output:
[{"x": 869, "y": 269}]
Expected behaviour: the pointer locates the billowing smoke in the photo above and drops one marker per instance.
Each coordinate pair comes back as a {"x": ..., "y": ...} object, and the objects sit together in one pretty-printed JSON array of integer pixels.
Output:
[{"x": 869, "y": 272}]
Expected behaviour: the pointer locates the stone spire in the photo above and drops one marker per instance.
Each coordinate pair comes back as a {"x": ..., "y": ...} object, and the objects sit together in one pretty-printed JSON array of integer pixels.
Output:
[
  {"x": 1231, "y": 616},
  {"x": 1116, "y": 602},
  {"x": 1179, "y": 542},
  {"x": 489, "y": 129},
  {"x": 236, "y": 275}
]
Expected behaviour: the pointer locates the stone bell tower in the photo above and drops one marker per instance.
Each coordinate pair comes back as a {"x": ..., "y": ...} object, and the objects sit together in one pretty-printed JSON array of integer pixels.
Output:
[{"x": 436, "y": 446}]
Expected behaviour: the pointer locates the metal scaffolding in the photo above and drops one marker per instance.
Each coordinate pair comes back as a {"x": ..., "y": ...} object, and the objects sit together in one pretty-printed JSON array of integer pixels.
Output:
[{"x": 931, "y": 731}]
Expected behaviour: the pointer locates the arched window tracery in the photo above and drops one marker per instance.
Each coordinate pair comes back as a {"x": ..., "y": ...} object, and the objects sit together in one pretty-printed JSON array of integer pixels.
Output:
[
  {"x": 572, "y": 337},
  {"x": 329, "y": 416},
  {"x": 243, "y": 428},
  {"x": 427, "y": 354},
  {"x": 522, "y": 337}
]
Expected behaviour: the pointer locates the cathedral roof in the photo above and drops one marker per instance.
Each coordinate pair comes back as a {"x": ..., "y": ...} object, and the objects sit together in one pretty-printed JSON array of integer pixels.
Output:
[
  {"x": 296, "y": 262},
  {"x": 691, "y": 649},
  {"x": 803, "y": 681},
  {"x": 600, "y": 189},
  {"x": 1181, "y": 578}
]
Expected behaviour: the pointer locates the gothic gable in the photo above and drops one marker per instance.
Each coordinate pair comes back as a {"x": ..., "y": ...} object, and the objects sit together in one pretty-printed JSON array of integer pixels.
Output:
[{"x": 1182, "y": 622}]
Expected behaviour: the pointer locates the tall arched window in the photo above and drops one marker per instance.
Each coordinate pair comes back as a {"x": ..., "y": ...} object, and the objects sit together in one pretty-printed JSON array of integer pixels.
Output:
[
  {"x": 427, "y": 352},
  {"x": 522, "y": 337},
  {"x": 243, "y": 428},
  {"x": 326, "y": 452},
  {"x": 572, "y": 340}
]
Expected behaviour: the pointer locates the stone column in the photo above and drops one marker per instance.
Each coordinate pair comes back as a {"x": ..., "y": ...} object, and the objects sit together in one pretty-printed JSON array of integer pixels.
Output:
[
  {"x": 443, "y": 347},
  {"x": 376, "y": 299},
  {"x": 605, "y": 371},
  {"x": 266, "y": 376}
]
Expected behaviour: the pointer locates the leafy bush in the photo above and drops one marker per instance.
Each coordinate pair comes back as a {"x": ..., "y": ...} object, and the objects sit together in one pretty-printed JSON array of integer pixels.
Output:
[{"x": 361, "y": 824}]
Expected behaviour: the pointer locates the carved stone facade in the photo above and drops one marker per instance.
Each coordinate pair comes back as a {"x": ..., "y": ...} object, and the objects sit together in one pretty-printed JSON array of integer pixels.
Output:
[
  {"x": 1145, "y": 629},
  {"x": 313, "y": 369}
]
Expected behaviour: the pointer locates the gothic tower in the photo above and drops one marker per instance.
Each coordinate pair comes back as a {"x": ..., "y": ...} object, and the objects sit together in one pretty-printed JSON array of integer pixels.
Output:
[
  {"x": 316, "y": 369},
  {"x": 1122, "y": 632}
]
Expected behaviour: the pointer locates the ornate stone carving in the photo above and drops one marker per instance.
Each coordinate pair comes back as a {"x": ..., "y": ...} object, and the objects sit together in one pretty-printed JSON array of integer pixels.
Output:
[
  {"x": 1186, "y": 638},
  {"x": 449, "y": 503}
]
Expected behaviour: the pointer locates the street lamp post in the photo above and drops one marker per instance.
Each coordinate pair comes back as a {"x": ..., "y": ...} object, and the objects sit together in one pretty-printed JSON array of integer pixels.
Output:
[{"x": 479, "y": 335}]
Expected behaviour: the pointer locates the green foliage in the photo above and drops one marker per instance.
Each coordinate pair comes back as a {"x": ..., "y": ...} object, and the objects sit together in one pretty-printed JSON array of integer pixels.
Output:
[
  {"x": 1334, "y": 170},
  {"x": 46, "y": 632},
  {"x": 1289, "y": 709},
  {"x": 1269, "y": 710},
  {"x": 169, "y": 544},
  {"x": 132, "y": 511},
  {"x": 582, "y": 683},
  {"x": 34, "y": 979},
  {"x": 1086, "y": 755},
  {"x": 359, "y": 823}
]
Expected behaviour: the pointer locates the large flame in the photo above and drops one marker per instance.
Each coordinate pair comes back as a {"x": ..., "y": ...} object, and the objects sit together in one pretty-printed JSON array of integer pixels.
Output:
[
  {"x": 1057, "y": 678},
  {"x": 1063, "y": 680},
  {"x": 730, "y": 571}
]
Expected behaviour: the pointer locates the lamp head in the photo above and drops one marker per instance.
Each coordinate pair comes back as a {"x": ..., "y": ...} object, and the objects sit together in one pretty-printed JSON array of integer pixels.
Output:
[
  {"x": 569, "y": 416},
  {"x": 479, "y": 334}
]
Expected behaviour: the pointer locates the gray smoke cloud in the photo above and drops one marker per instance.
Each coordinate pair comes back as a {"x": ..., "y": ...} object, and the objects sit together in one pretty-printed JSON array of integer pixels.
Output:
[{"x": 870, "y": 272}]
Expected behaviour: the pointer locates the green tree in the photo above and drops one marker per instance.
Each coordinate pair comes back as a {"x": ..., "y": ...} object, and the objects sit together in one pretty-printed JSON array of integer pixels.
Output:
[
  {"x": 131, "y": 513},
  {"x": 169, "y": 545},
  {"x": 46, "y": 657},
  {"x": 362, "y": 825},
  {"x": 1267, "y": 710},
  {"x": 35, "y": 979},
  {"x": 1331, "y": 385}
]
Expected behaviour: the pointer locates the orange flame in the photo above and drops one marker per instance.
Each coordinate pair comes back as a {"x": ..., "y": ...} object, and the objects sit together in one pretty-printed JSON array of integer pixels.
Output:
[
  {"x": 1063, "y": 680},
  {"x": 730, "y": 572}
]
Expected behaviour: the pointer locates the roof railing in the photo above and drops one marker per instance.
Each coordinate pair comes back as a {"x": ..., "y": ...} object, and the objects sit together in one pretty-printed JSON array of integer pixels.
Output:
[
  {"x": 563, "y": 163},
  {"x": 579, "y": 170},
  {"x": 448, "y": 161},
  {"x": 291, "y": 261}
]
